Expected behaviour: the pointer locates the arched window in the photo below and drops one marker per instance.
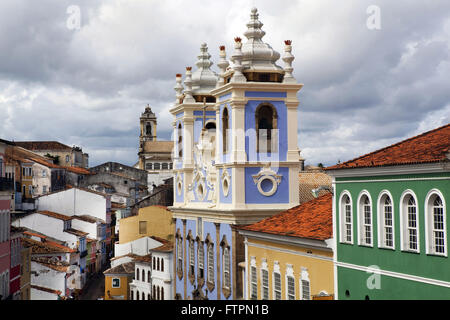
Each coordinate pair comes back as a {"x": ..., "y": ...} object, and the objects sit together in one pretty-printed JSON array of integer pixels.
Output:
[
  {"x": 436, "y": 224},
  {"x": 143, "y": 296},
  {"x": 132, "y": 295},
  {"x": 137, "y": 295},
  {"x": 346, "y": 219},
  {"x": 137, "y": 274},
  {"x": 365, "y": 220},
  {"x": 154, "y": 292},
  {"x": 180, "y": 141},
  {"x": 143, "y": 275},
  {"x": 410, "y": 228},
  {"x": 201, "y": 261},
  {"x": 162, "y": 293},
  {"x": 210, "y": 263},
  {"x": 148, "y": 277},
  {"x": 157, "y": 264},
  {"x": 305, "y": 290},
  {"x": 162, "y": 265},
  {"x": 191, "y": 258},
  {"x": 211, "y": 126},
  {"x": 225, "y": 127},
  {"x": 158, "y": 292},
  {"x": 148, "y": 129},
  {"x": 386, "y": 222},
  {"x": 266, "y": 128},
  {"x": 154, "y": 263},
  {"x": 180, "y": 257},
  {"x": 148, "y": 297}
]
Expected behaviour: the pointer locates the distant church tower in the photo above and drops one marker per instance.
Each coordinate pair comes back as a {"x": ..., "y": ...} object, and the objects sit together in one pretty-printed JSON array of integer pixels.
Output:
[
  {"x": 236, "y": 160},
  {"x": 148, "y": 125}
]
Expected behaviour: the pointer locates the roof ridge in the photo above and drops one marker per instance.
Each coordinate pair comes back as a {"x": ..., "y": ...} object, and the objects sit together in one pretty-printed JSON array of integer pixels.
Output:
[{"x": 390, "y": 146}]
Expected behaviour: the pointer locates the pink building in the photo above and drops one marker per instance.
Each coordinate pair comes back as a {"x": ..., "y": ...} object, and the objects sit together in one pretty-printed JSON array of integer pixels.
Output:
[{"x": 6, "y": 190}]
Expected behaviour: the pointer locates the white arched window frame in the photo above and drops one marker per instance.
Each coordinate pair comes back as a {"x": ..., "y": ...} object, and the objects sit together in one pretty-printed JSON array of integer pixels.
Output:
[
  {"x": 305, "y": 285},
  {"x": 386, "y": 221},
  {"x": 276, "y": 281},
  {"x": 365, "y": 219},
  {"x": 435, "y": 223},
  {"x": 264, "y": 280},
  {"x": 346, "y": 217},
  {"x": 290, "y": 282},
  {"x": 409, "y": 222},
  {"x": 253, "y": 279}
]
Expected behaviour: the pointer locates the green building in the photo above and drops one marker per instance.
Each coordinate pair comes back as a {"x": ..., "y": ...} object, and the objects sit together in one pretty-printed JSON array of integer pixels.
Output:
[{"x": 390, "y": 221}]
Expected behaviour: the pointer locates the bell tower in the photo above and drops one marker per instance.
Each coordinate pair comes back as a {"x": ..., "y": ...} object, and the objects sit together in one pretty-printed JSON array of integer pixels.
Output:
[{"x": 148, "y": 125}]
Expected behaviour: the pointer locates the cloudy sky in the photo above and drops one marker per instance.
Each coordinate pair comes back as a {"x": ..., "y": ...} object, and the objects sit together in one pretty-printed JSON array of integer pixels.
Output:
[{"x": 364, "y": 87}]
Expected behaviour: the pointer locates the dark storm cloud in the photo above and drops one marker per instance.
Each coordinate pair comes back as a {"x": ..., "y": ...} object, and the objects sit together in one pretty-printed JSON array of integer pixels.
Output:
[{"x": 364, "y": 89}]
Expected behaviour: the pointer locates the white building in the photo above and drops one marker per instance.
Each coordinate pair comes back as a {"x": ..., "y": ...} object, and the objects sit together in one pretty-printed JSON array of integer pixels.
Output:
[
  {"x": 59, "y": 226},
  {"x": 83, "y": 202},
  {"x": 154, "y": 274}
]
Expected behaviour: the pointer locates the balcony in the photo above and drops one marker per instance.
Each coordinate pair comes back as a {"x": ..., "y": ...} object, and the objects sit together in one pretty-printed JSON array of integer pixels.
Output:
[{"x": 6, "y": 184}]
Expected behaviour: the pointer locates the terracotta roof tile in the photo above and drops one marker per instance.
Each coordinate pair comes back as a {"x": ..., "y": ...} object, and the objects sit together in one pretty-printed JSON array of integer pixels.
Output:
[
  {"x": 428, "y": 147},
  {"x": 309, "y": 180},
  {"x": 38, "y": 247},
  {"x": 52, "y": 263},
  {"x": 311, "y": 220},
  {"x": 55, "y": 215},
  {"x": 49, "y": 290},
  {"x": 79, "y": 170},
  {"x": 124, "y": 268},
  {"x": 43, "y": 145},
  {"x": 76, "y": 232}
]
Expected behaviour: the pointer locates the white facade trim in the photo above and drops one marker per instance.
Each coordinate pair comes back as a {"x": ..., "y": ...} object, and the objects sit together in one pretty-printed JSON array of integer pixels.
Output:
[
  {"x": 403, "y": 223},
  {"x": 395, "y": 274},
  {"x": 381, "y": 222},
  {"x": 429, "y": 223}
]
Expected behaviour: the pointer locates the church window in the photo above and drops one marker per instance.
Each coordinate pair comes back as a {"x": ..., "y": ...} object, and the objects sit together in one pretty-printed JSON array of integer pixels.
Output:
[
  {"x": 224, "y": 130},
  {"x": 211, "y": 126},
  {"x": 210, "y": 263},
  {"x": 180, "y": 257},
  {"x": 266, "y": 129},
  {"x": 201, "y": 261},
  {"x": 148, "y": 129},
  {"x": 226, "y": 268},
  {"x": 180, "y": 142}
]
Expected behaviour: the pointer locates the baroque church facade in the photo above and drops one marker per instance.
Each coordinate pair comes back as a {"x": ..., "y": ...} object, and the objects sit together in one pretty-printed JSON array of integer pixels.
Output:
[{"x": 236, "y": 160}]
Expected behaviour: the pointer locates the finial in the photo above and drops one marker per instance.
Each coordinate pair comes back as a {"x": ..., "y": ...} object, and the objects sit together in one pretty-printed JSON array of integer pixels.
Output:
[
  {"x": 288, "y": 58},
  {"x": 223, "y": 65},
  {"x": 188, "y": 98},
  {"x": 178, "y": 89},
  {"x": 238, "y": 76}
]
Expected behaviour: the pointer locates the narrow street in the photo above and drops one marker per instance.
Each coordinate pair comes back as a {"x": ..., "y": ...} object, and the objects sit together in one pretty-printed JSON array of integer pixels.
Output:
[{"x": 95, "y": 288}]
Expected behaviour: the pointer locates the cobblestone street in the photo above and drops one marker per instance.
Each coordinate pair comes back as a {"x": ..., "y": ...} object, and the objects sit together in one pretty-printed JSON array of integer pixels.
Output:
[{"x": 95, "y": 288}]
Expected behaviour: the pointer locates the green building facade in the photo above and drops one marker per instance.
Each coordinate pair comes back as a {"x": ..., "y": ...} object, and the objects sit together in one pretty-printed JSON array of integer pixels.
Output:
[{"x": 391, "y": 223}]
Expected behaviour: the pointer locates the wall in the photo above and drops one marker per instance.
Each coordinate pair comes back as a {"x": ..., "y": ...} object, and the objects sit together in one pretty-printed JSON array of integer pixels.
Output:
[
  {"x": 320, "y": 269},
  {"x": 48, "y": 278},
  {"x": 411, "y": 264},
  {"x": 159, "y": 223},
  {"x": 121, "y": 291}
]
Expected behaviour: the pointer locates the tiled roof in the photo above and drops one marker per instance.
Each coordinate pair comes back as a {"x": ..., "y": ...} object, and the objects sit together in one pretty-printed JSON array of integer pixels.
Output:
[
  {"x": 49, "y": 290},
  {"x": 131, "y": 255},
  {"x": 55, "y": 215},
  {"x": 167, "y": 246},
  {"x": 79, "y": 170},
  {"x": 76, "y": 232},
  {"x": 429, "y": 147},
  {"x": 146, "y": 258},
  {"x": 310, "y": 220},
  {"x": 38, "y": 247},
  {"x": 309, "y": 180},
  {"x": 88, "y": 218},
  {"x": 158, "y": 146},
  {"x": 42, "y": 145},
  {"x": 124, "y": 268},
  {"x": 52, "y": 263}
]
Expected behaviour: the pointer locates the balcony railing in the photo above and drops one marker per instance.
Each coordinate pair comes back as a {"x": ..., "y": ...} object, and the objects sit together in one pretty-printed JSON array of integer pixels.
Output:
[{"x": 6, "y": 184}]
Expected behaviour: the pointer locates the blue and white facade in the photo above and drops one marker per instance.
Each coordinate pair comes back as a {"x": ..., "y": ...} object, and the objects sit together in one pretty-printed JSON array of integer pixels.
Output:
[{"x": 236, "y": 160}]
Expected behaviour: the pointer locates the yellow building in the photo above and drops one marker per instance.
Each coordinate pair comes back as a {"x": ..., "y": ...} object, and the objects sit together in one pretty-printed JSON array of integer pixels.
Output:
[
  {"x": 150, "y": 221},
  {"x": 117, "y": 281},
  {"x": 289, "y": 255}
]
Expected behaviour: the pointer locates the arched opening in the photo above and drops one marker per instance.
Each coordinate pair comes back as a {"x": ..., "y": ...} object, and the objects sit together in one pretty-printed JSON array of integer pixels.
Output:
[
  {"x": 180, "y": 142},
  {"x": 148, "y": 129},
  {"x": 224, "y": 130},
  {"x": 266, "y": 128}
]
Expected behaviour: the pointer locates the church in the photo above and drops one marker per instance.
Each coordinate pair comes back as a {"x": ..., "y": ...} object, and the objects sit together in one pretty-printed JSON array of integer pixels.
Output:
[
  {"x": 155, "y": 156},
  {"x": 236, "y": 159}
]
